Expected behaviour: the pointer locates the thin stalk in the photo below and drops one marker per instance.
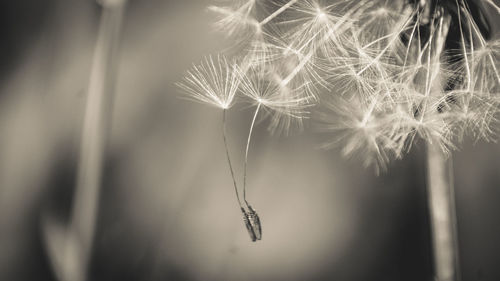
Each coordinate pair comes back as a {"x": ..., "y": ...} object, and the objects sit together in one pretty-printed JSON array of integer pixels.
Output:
[
  {"x": 246, "y": 154},
  {"x": 443, "y": 215},
  {"x": 97, "y": 121},
  {"x": 69, "y": 247},
  {"x": 250, "y": 217},
  {"x": 229, "y": 158}
]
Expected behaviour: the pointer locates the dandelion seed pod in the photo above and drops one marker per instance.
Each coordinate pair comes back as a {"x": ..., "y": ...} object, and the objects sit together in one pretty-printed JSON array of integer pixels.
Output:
[
  {"x": 255, "y": 221},
  {"x": 247, "y": 219}
]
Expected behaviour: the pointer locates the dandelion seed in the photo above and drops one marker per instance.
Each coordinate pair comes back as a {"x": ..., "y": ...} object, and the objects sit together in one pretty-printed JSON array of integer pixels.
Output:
[
  {"x": 474, "y": 115},
  {"x": 485, "y": 68},
  {"x": 359, "y": 129},
  {"x": 380, "y": 20},
  {"x": 280, "y": 101},
  {"x": 428, "y": 125},
  {"x": 235, "y": 19},
  {"x": 255, "y": 221},
  {"x": 312, "y": 25},
  {"x": 214, "y": 81},
  {"x": 249, "y": 224}
]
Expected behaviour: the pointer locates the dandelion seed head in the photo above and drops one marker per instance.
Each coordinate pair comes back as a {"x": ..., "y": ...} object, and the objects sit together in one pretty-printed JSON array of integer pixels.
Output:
[{"x": 376, "y": 68}]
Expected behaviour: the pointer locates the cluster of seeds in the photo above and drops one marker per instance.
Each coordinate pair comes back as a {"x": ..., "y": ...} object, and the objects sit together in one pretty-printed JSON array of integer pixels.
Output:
[{"x": 375, "y": 75}]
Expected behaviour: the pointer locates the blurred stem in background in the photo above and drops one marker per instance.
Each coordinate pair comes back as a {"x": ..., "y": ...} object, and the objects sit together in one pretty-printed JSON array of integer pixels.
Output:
[{"x": 69, "y": 247}]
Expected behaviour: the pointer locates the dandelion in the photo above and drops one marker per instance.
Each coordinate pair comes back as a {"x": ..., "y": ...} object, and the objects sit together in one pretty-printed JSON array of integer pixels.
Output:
[{"x": 378, "y": 75}]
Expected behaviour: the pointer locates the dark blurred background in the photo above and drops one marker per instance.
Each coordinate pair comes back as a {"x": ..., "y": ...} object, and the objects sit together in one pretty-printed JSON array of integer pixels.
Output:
[{"x": 167, "y": 209}]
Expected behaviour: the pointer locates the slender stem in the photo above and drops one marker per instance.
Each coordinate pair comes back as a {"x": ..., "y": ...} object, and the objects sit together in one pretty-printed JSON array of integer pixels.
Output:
[
  {"x": 96, "y": 124},
  {"x": 443, "y": 214},
  {"x": 246, "y": 154},
  {"x": 228, "y": 157},
  {"x": 69, "y": 246}
]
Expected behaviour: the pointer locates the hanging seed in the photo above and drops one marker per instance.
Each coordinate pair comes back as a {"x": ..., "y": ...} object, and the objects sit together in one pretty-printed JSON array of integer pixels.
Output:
[
  {"x": 255, "y": 221},
  {"x": 247, "y": 218}
]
